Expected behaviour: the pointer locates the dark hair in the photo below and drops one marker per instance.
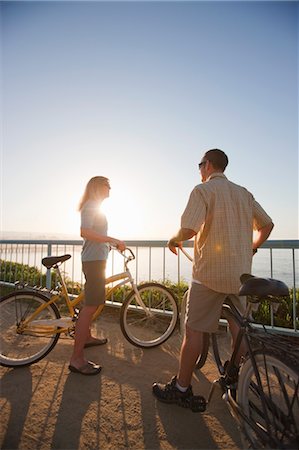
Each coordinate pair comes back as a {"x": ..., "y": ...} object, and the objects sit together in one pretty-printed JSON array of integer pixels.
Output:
[{"x": 218, "y": 158}]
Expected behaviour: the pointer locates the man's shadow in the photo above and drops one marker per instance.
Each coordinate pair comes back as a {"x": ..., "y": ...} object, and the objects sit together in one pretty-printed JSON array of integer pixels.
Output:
[
  {"x": 183, "y": 428},
  {"x": 179, "y": 425},
  {"x": 16, "y": 387}
]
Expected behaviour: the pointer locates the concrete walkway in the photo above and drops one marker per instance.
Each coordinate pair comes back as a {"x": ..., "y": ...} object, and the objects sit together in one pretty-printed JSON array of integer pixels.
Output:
[{"x": 44, "y": 406}]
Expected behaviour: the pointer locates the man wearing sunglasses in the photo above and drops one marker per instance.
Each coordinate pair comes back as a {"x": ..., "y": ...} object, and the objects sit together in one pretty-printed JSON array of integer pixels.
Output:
[{"x": 221, "y": 216}]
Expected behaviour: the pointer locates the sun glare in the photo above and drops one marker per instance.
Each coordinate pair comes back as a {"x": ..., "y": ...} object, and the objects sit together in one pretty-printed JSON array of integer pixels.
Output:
[{"x": 121, "y": 210}]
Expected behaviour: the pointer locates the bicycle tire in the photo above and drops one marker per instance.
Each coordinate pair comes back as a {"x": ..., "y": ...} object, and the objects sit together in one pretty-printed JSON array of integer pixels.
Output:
[
  {"x": 149, "y": 330},
  {"x": 183, "y": 314},
  {"x": 205, "y": 351},
  {"x": 19, "y": 347},
  {"x": 271, "y": 419},
  {"x": 201, "y": 360},
  {"x": 220, "y": 342}
]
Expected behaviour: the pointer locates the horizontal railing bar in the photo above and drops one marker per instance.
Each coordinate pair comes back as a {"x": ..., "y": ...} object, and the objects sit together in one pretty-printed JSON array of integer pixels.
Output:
[{"x": 277, "y": 244}]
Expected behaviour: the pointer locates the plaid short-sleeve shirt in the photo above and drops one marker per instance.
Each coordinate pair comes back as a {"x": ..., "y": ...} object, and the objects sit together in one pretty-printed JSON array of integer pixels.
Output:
[{"x": 224, "y": 215}]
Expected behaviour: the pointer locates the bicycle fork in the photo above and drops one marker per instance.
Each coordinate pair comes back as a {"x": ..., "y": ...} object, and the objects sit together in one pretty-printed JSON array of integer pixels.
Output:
[{"x": 139, "y": 299}]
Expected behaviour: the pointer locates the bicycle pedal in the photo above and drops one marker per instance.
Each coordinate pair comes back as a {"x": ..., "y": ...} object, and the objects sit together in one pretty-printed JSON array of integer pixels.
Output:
[
  {"x": 225, "y": 396},
  {"x": 212, "y": 389},
  {"x": 76, "y": 314},
  {"x": 198, "y": 404}
]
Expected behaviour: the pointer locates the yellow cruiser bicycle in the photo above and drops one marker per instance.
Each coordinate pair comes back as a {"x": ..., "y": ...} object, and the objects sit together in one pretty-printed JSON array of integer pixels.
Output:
[{"x": 31, "y": 322}]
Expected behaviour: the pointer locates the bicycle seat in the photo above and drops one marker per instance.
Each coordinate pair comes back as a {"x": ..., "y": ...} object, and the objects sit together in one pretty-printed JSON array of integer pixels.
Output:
[
  {"x": 261, "y": 287},
  {"x": 51, "y": 261}
]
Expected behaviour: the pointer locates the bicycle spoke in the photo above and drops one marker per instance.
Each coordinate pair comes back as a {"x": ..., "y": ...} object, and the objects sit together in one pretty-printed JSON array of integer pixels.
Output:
[
  {"x": 25, "y": 344},
  {"x": 270, "y": 401},
  {"x": 150, "y": 327}
]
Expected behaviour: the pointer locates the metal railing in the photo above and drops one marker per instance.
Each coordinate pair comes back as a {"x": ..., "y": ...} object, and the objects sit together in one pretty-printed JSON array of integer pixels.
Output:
[{"x": 275, "y": 259}]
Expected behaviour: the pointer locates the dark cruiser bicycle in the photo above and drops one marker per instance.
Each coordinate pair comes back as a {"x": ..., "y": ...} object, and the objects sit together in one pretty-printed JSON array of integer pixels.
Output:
[{"x": 262, "y": 391}]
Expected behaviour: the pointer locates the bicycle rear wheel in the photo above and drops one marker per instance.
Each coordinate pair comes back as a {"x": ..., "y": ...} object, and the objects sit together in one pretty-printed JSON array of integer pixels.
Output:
[
  {"x": 22, "y": 343},
  {"x": 272, "y": 408},
  {"x": 206, "y": 336},
  {"x": 153, "y": 326}
]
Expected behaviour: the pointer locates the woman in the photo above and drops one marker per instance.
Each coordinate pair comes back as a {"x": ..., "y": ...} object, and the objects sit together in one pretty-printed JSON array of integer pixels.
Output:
[{"x": 94, "y": 255}]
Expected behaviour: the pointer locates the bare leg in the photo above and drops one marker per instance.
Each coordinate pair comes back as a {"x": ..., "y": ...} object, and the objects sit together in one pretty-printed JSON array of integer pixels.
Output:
[
  {"x": 190, "y": 351},
  {"x": 82, "y": 334},
  {"x": 90, "y": 338}
]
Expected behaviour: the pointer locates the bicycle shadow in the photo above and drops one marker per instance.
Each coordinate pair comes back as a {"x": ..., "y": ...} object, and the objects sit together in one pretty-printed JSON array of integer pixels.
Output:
[{"x": 16, "y": 387}]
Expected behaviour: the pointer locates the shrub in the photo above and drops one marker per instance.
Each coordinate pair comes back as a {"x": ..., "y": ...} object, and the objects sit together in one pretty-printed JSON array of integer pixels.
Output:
[{"x": 283, "y": 317}]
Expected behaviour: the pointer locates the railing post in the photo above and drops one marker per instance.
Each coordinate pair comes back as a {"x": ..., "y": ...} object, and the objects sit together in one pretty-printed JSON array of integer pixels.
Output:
[
  {"x": 294, "y": 290},
  {"x": 48, "y": 276},
  {"x": 150, "y": 264},
  {"x": 271, "y": 275}
]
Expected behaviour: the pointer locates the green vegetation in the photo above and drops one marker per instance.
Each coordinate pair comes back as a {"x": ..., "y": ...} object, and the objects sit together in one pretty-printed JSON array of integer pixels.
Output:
[
  {"x": 12, "y": 272},
  {"x": 283, "y": 317}
]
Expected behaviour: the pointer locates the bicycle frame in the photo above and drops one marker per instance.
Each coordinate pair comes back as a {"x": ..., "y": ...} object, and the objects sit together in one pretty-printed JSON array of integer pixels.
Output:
[
  {"x": 244, "y": 333},
  {"x": 66, "y": 324}
]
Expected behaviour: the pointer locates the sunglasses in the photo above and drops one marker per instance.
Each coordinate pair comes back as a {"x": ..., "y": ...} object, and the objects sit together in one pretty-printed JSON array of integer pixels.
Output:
[{"x": 201, "y": 164}]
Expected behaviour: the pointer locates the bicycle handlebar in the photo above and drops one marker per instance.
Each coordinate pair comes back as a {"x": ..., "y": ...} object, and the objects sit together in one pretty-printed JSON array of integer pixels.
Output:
[
  {"x": 254, "y": 251},
  {"x": 186, "y": 254},
  {"x": 123, "y": 254}
]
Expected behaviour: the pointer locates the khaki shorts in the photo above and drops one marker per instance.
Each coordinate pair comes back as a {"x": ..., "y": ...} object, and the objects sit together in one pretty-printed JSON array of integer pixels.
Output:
[
  {"x": 204, "y": 307},
  {"x": 94, "y": 288}
]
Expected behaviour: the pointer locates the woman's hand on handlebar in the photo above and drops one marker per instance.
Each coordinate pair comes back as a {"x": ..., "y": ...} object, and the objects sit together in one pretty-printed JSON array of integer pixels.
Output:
[{"x": 119, "y": 245}]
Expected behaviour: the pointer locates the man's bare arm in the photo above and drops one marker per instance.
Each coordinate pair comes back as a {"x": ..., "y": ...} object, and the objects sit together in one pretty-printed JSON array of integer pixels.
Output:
[
  {"x": 262, "y": 235},
  {"x": 184, "y": 234}
]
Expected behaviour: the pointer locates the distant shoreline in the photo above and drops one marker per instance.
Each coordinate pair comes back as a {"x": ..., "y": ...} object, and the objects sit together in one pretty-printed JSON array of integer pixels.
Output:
[{"x": 37, "y": 236}]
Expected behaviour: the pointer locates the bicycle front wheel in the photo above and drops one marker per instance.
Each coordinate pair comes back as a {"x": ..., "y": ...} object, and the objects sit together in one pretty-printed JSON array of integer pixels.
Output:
[
  {"x": 22, "y": 341},
  {"x": 152, "y": 323},
  {"x": 271, "y": 408}
]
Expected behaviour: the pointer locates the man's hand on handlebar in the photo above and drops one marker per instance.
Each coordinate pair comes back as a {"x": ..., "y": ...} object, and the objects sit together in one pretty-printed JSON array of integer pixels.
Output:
[
  {"x": 172, "y": 245},
  {"x": 184, "y": 234}
]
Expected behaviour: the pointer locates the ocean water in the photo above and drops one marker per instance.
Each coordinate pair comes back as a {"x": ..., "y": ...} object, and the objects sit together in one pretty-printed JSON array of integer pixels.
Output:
[
  {"x": 282, "y": 265},
  {"x": 160, "y": 264}
]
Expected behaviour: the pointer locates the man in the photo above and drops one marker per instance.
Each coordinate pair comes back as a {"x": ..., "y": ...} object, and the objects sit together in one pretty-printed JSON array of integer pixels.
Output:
[{"x": 222, "y": 216}]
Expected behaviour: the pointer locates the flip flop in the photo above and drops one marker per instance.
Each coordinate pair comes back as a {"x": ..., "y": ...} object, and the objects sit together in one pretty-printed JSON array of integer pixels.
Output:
[
  {"x": 95, "y": 343},
  {"x": 87, "y": 369}
]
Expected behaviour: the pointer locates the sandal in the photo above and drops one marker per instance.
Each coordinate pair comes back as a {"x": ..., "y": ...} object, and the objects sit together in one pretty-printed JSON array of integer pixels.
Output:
[
  {"x": 96, "y": 342},
  {"x": 87, "y": 369}
]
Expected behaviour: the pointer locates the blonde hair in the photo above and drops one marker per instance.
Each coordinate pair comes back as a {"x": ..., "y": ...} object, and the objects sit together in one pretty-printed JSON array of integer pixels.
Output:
[{"x": 93, "y": 190}]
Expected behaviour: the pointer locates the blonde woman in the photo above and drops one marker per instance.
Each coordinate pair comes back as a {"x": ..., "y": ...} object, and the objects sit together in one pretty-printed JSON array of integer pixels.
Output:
[{"x": 95, "y": 251}]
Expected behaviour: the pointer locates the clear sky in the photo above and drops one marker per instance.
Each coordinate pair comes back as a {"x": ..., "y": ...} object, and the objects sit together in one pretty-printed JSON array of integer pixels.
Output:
[{"x": 137, "y": 91}]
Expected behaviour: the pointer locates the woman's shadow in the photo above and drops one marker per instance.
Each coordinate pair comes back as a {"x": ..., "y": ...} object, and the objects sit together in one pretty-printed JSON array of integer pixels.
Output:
[{"x": 78, "y": 394}]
